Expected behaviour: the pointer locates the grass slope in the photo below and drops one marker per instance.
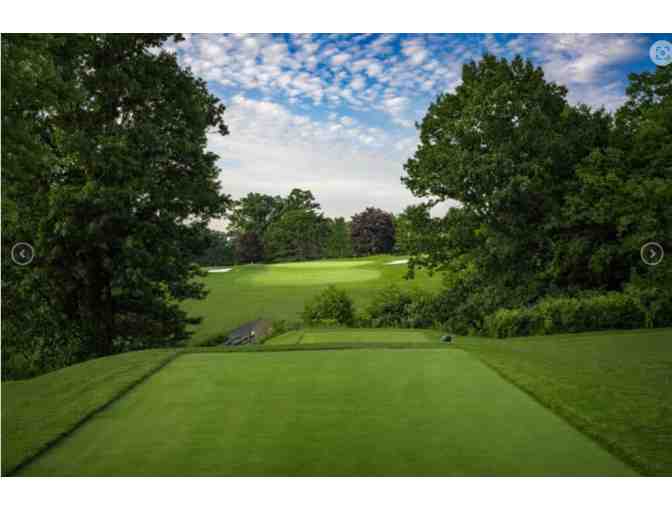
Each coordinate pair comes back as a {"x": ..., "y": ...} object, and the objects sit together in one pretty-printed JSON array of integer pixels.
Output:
[
  {"x": 279, "y": 291},
  {"x": 615, "y": 386},
  {"x": 38, "y": 411},
  {"x": 351, "y": 412},
  {"x": 362, "y": 335}
]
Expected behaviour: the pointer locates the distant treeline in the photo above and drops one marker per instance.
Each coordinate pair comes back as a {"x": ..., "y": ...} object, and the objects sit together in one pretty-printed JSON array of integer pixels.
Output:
[{"x": 265, "y": 228}]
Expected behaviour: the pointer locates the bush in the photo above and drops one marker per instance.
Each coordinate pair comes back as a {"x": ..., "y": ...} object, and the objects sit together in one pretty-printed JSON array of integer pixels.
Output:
[
  {"x": 393, "y": 307},
  {"x": 332, "y": 306},
  {"x": 653, "y": 295},
  {"x": 613, "y": 310}
]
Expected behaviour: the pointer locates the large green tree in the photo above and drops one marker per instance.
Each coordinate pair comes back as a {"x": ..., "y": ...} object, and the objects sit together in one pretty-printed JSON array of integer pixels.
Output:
[
  {"x": 106, "y": 173},
  {"x": 298, "y": 234},
  {"x": 338, "y": 243},
  {"x": 554, "y": 198},
  {"x": 255, "y": 212}
]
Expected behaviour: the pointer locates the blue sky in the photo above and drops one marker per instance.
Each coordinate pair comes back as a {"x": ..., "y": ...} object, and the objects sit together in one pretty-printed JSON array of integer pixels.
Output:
[{"x": 335, "y": 113}]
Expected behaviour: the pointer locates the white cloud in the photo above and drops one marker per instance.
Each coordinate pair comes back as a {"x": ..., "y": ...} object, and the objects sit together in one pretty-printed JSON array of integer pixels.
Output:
[
  {"x": 346, "y": 166},
  {"x": 339, "y": 59},
  {"x": 415, "y": 51},
  {"x": 336, "y": 112}
]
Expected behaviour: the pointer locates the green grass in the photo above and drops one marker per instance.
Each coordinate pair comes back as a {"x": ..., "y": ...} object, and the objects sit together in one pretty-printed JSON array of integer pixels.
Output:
[
  {"x": 350, "y": 412},
  {"x": 343, "y": 335},
  {"x": 38, "y": 411},
  {"x": 614, "y": 386},
  {"x": 279, "y": 291}
]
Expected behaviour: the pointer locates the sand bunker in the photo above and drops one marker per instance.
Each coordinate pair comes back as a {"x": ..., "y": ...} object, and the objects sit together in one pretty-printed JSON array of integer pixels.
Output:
[
  {"x": 397, "y": 262},
  {"x": 225, "y": 270}
]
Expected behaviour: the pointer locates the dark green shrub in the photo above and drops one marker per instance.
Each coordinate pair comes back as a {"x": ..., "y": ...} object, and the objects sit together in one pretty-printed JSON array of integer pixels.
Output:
[
  {"x": 653, "y": 294},
  {"x": 330, "y": 305},
  {"x": 392, "y": 307},
  {"x": 613, "y": 310}
]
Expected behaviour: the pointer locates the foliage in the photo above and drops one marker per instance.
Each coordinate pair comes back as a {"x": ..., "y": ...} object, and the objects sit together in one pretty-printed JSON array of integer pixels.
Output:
[
  {"x": 331, "y": 304},
  {"x": 298, "y": 234},
  {"x": 220, "y": 250},
  {"x": 400, "y": 308},
  {"x": 288, "y": 228},
  {"x": 408, "y": 227},
  {"x": 372, "y": 232},
  {"x": 254, "y": 213},
  {"x": 249, "y": 248},
  {"x": 106, "y": 173},
  {"x": 338, "y": 243},
  {"x": 612, "y": 310},
  {"x": 553, "y": 199}
]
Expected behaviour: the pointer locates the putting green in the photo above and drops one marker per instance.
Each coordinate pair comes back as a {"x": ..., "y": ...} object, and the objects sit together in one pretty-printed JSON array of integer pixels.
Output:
[
  {"x": 315, "y": 276},
  {"x": 323, "y": 264},
  {"x": 355, "y": 412}
]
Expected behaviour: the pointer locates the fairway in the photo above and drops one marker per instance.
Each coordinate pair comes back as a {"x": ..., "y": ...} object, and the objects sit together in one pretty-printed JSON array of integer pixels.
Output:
[
  {"x": 354, "y": 412},
  {"x": 280, "y": 291}
]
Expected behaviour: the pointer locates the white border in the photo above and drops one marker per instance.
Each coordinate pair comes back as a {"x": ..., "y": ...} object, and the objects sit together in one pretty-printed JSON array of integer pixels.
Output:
[
  {"x": 336, "y": 493},
  {"x": 338, "y": 16}
]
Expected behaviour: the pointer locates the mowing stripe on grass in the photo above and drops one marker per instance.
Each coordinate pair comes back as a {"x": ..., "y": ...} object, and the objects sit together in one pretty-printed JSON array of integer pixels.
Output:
[
  {"x": 17, "y": 455},
  {"x": 349, "y": 412},
  {"x": 329, "y": 346}
]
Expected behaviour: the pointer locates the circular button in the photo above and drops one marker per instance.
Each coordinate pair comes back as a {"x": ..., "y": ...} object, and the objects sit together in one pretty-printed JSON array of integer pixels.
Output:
[
  {"x": 652, "y": 254},
  {"x": 661, "y": 53},
  {"x": 22, "y": 254}
]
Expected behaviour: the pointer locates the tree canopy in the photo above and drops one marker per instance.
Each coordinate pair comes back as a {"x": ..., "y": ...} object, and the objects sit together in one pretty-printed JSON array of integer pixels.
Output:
[
  {"x": 554, "y": 198},
  {"x": 106, "y": 173},
  {"x": 372, "y": 232}
]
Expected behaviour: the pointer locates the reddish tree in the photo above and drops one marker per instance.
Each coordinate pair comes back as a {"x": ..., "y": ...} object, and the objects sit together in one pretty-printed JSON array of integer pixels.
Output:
[{"x": 372, "y": 232}]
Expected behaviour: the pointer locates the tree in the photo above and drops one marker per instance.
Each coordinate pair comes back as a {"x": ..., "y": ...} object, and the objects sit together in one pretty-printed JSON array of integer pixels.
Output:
[
  {"x": 261, "y": 214},
  {"x": 553, "y": 198},
  {"x": 255, "y": 212},
  {"x": 372, "y": 232},
  {"x": 332, "y": 306},
  {"x": 623, "y": 194},
  {"x": 106, "y": 173},
  {"x": 249, "y": 248},
  {"x": 220, "y": 250},
  {"x": 299, "y": 199},
  {"x": 338, "y": 243},
  {"x": 299, "y": 234},
  {"x": 504, "y": 144},
  {"x": 407, "y": 225}
]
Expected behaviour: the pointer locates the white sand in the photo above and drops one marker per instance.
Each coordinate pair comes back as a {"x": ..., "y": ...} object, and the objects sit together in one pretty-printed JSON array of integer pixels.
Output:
[
  {"x": 397, "y": 262},
  {"x": 225, "y": 270}
]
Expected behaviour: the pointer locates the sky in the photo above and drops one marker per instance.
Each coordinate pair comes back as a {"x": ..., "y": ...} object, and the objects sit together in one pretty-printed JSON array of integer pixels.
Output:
[{"x": 335, "y": 113}]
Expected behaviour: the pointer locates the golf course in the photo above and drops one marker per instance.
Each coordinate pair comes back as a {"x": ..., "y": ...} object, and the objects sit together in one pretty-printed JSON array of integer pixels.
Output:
[
  {"x": 427, "y": 263},
  {"x": 347, "y": 401},
  {"x": 279, "y": 291}
]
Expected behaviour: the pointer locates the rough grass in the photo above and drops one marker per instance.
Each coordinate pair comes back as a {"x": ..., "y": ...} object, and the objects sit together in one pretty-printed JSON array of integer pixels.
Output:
[
  {"x": 350, "y": 412},
  {"x": 279, "y": 291},
  {"x": 38, "y": 411},
  {"x": 341, "y": 335},
  {"x": 615, "y": 386}
]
